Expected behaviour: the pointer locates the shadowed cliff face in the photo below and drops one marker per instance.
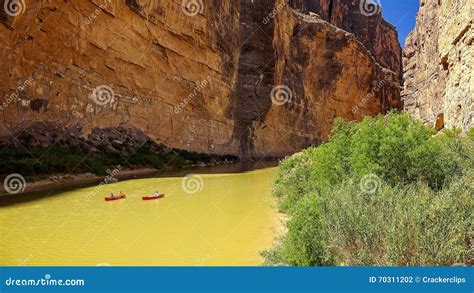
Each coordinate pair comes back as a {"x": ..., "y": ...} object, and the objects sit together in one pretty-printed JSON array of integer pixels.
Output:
[
  {"x": 199, "y": 78},
  {"x": 329, "y": 73},
  {"x": 363, "y": 19},
  {"x": 310, "y": 76},
  {"x": 255, "y": 73}
]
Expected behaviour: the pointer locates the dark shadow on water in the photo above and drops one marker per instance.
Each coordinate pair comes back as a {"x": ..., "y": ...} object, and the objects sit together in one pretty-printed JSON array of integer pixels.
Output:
[{"x": 240, "y": 167}]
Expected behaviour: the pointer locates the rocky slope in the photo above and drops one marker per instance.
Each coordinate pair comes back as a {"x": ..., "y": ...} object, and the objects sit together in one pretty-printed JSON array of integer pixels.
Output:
[
  {"x": 438, "y": 64},
  {"x": 251, "y": 78}
]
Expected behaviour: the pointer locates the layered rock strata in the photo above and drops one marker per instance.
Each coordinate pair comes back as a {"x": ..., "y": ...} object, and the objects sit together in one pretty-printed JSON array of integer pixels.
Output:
[
  {"x": 438, "y": 65},
  {"x": 198, "y": 75}
]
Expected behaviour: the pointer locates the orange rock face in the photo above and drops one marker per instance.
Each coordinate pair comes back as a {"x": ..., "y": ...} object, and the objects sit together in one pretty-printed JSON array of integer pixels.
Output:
[
  {"x": 251, "y": 78},
  {"x": 364, "y": 20},
  {"x": 330, "y": 74},
  {"x": 438, "y": 65}
]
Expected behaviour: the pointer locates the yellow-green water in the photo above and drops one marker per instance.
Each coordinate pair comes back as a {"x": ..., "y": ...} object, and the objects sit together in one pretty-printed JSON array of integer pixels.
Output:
[{"x": 228, "y": 222}]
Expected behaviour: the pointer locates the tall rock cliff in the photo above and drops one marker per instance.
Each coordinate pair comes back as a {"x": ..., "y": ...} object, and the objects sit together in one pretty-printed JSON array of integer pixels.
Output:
[
  {"x": 438, "y": 64},
  {"x": 329, "y": 73},
  {"x": 252, "y": 78},
  {"x": 364, "y": 20}
]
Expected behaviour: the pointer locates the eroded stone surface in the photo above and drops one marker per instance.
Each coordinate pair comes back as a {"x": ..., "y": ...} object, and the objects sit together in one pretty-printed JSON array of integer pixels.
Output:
[
  {"x": 362, "y": 18},
  {"x": 330, "y": 74},
  {"x": 438, "y": 65},
  {"x": 200, "y": 82}
]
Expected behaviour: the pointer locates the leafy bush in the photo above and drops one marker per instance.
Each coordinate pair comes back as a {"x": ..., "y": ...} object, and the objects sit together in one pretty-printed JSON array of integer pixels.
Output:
[
  {"x": 40, "y": 161},
  {"x": 415, "y": 210},
  {"x": 394, "y": 147},
  {"x": 305, "y": 243},
  {"x": 398, "y": 226}
]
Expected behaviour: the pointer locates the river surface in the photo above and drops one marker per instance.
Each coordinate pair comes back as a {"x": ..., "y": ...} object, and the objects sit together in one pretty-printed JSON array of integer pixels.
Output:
[{"x": 213, "y": 220}]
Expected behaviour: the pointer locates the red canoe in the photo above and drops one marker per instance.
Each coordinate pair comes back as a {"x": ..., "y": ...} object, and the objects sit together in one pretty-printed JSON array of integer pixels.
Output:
[
  {"x": 114, "y": 198},
  {"x": 152, "y": 197}
]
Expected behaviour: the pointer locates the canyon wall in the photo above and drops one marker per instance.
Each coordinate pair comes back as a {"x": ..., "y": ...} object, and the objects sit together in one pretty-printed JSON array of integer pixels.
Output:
[
  {"x": 171, "y": 73},
  {"x": 364, "y": 20},
  {"x": 329, "y": 73},
  {"x": 250, "y": 78},
  {"x": 438, "y": 65}
]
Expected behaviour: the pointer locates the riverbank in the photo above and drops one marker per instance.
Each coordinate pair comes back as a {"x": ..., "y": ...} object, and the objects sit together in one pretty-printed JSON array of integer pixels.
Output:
[
  {"x": 79, "y": 180},
  {"x": 45, "y": 150},
  {"x": 59, "y": 183},
  {"x": 383, "y": 192}
]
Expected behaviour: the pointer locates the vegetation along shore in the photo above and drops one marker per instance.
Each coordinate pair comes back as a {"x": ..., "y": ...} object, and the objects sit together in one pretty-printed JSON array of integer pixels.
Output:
[{"x": 388, "y": 191}]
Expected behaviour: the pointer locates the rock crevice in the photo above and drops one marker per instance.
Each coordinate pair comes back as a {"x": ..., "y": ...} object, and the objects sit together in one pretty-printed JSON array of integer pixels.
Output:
[
  {"x": 199, "y": 80},
  {"x": 438, "y": 65}
]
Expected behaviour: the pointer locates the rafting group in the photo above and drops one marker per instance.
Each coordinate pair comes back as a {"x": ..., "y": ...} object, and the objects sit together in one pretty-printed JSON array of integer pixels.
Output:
[{"x": 121, "y": 195}]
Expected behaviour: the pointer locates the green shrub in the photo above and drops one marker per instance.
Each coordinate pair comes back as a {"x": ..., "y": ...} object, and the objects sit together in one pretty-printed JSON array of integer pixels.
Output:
[
  {"x": 95, "y": 166},
  {"x": 305, "y": 242},
  {"x": 293, "y": 179},
  {"x": 414, "y": 210},
  {"x": 396, "y": 226},
  {"x": 38, "y": 161},
  {"x": 395, "y": 147}
]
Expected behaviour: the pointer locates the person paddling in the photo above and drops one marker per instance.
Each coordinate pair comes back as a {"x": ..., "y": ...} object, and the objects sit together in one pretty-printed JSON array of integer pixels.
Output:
[{"x": 111, "y": 195}]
